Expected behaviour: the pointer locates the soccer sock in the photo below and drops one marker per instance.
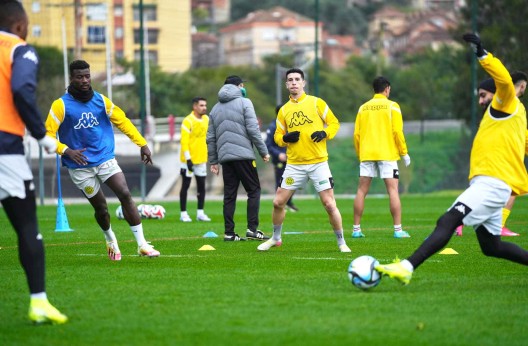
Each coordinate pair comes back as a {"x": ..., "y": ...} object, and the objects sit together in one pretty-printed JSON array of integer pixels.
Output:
[
  {"x": 40, "y": 295},
  {"x": 277, "y": 230},
  {"x": 407, "y": 265},
  {"x": 505, "y": 215},
  {"x": 397, "y": 228},
  {"x": 183, "y": 213},
  {"x": 138, "y": 233},
  {"x": 109, "y": 235},
  {"x": 200, "y": 212},
  {"x": 357, "y": 228},
  {"x": 339, "y": 235}
]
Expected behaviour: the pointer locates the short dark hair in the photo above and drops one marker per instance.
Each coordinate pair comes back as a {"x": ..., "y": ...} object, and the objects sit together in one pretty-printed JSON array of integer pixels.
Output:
[
  {"x": 78, "y": 65},
  {"x": 294, "y": 70},
  {"x": 197, "y": 99},
  {"x": 233, "y": 79},
  {"x": 379, "y": 84},
  {"x": 518, "y": 76},
  {"x": 11, "y": 11}
]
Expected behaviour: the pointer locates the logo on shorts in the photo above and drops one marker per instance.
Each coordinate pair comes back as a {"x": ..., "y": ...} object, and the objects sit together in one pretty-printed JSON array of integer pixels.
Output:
[
  {"x": 89, "y": 190},
  {"x": 290, "y": 181},
  {"x": 87, "y": 120},
  {"x": 299, "y": 118},
  {"x": 462, "y": 208},
  {"x": 322, "y": 182},
  {"x": 254, "y": 164}
]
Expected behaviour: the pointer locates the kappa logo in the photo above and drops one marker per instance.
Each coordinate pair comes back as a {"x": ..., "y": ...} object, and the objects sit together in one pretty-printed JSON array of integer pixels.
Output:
[
  {"x": 87, "y": 120},
  {"x": 30, "y": 55},
  {"x": 299, "y": 118},
  {"x": 461, "y": 208}
]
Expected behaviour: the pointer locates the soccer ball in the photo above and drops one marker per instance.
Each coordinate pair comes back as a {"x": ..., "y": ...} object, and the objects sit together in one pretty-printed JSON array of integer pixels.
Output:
[
  {"x": 144, "y": 210},
  {"x": 362, "y": 274},
  {"x": 119, "y": 213},
  {"x": 157, "y": 212}
]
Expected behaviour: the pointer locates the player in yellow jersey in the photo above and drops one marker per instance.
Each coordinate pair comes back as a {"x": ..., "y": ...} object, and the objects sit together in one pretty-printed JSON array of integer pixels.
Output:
[
  {"x": 379, "y": 144},
  {"x": 193, "y": 157},
  {"x": 496, "y": 171},
  {"x": 304, "y": 124}
]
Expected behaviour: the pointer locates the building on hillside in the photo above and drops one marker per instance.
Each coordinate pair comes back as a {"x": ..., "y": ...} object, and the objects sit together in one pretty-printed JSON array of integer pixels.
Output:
[
  {"x": 338, "y": 48},
  {"x": 393, "y": 33},
  {"x": 215, "y": 11},
  {"x": 268, "y": 32},
  {"x": 88, "y": 23},
  {"x": 439, "y": 4},
  {"x": 204, "y": 50}
]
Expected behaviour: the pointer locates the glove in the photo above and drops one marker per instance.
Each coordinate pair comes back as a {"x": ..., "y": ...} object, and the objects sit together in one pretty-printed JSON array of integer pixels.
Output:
[
  {"x": 291, "y": 137},
  {"x": 407, "y": 160},
  {"x": 475, "y": 43},
  {"x": 190, "y": 165},
  {"x": 48, "y": 143},
  {"x": 318, "y": 136}
]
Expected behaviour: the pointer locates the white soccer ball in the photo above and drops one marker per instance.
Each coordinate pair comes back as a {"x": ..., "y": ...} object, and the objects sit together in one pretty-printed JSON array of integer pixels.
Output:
[
  {"x": 362, "y": 273},
  {"x": 157, "y": 212},
  {"x": 119, "y": 213},
  {"x": 144, "y": 210}
]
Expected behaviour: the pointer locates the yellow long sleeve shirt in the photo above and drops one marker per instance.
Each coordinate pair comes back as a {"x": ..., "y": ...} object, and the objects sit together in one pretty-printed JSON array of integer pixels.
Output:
[
  {"x": 193, "y": 134},
  {"x": 500, "y": 143},
  {"x": 378, "y": 131},
  {"x": 307, "y": 114}
]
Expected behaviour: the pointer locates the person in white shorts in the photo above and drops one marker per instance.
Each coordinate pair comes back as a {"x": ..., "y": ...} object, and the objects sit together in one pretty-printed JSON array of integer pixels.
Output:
[
  {"x": 304, "y": 124},
  {"x": 379, "y": 142},
  {"x": 83, "y": 120}
]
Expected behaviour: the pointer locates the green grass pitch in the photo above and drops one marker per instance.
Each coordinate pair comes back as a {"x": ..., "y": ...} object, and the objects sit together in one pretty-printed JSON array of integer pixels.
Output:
[{"x": 298, "y": 294}]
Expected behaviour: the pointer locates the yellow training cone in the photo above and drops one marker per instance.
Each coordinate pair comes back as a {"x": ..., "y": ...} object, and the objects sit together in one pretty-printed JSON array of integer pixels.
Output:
[
  {"x": 206, "y": 248},
  {"x": 448, "y": 251}
]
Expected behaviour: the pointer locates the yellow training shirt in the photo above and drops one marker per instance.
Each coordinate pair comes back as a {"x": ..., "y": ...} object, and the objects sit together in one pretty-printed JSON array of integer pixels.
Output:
[
  {"x": 307, "y": 114},
  {"x": 378, "y": 131},
  {"x": 500, "y": 143},
  {"x": 193, "y": 133}
]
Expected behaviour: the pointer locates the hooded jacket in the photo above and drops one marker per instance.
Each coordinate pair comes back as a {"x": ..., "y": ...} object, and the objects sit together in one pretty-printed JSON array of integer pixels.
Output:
[{"x": 233, "y": 128}]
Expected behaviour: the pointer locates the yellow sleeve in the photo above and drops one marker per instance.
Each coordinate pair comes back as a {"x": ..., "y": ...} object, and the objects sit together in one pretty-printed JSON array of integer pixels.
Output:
[
  {"x": 504, "y": 97},
  {"x": 357, "y": 133},
  {"x": 329, "y": 118},
  {"x": 397, "y": 129},
  {"x": 120, "y": 120},
  {"x": 185, "y": 134},
  {"x": 53, "y": 122},
  {"x": 526, "y": 144},
  {"x": 281, "y": 129}
]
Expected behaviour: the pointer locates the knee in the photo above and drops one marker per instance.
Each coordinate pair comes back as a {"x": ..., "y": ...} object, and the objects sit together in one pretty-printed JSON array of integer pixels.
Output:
[
  {"x": 330, "y": 206},
  {"x": 279, "y": 204},
  {"x": 124, "y": 195},
  {"x": 101, "y": 211}
]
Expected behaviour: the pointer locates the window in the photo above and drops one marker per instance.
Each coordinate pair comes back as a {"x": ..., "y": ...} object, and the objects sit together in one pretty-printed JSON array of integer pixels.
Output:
[
  {"x": 96, "y": 12},
  {"x": 119, "y": 54},
  {"x": 152, "y": 36},
  {"x": 149, "y": 13},
  {"x": 35, "y": 7},
  {"x": 118, "y": 10},
  {"x": 96, "y": 34},
  {"x": 118, "y": 33},
  {"x": 36, "y": 31},
  {"x": 152, "y": 56}
]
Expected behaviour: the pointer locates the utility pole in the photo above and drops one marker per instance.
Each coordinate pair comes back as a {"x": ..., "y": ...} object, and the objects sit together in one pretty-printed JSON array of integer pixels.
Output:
[
  {"x": 474, "y": 72},
  {"x": 316, "y": 62},
  {"x": 142, "y": 99}
]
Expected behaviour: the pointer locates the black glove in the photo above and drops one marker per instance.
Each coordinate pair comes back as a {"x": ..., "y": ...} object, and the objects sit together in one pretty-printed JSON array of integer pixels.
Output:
[
  {"x": 475, "y": 43},
  {"x": 190, "y": 165},
  {"x": 291, "y": 137},
  {"x": 318, "y": 136}
]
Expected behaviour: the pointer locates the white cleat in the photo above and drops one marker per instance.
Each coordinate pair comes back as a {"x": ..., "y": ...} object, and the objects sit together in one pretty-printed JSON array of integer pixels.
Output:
[
  {"x": 148, "y": 250},
  {"x": 269, "y": 244},
  {"x": 344, "y": 248},
  {"x": 113, "y": 251},
  {"x": 185, "y": 218},
  {"x": 203, "y": 217}
]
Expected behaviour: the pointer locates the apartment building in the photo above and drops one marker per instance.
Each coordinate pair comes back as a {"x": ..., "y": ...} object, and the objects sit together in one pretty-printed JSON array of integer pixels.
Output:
[{"x": 95, "y": 29}]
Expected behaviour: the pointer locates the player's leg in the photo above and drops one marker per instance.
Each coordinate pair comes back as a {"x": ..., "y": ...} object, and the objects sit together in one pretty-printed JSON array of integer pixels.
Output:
[
  {"x": 505, "y": 232},
  {"x": 367, "y": 171},
  {"x": 493, "y": 246},
  {"x": 231, "y": 183},
  {"x": 186, "y": 182},
  {"x": 200, "y": 172},
  {"x": 248, "y": 174},
  {"x": 390, "y": 174}
]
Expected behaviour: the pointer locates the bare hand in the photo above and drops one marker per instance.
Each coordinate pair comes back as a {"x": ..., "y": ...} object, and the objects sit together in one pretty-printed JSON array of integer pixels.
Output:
[
  {"x": 266, "y": 158},
  {"x": 215, "y": 169},
  {"x": 77, "y": 156},
  {"x": 146, "y": 155},
  {"x": 282, "y": 157}
]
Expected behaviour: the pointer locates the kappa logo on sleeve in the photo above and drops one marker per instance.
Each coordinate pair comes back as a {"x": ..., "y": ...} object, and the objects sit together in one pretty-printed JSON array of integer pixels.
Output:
[{"x": 30, "y": 55}]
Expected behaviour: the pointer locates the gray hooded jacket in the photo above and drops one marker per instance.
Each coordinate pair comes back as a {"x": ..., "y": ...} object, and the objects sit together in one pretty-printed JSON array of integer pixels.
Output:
[{"x": 233, "y": 128}]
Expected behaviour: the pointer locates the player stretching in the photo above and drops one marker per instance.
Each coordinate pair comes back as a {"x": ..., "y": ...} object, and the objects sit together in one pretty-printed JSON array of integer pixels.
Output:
[{"x": 496, "y": 171}]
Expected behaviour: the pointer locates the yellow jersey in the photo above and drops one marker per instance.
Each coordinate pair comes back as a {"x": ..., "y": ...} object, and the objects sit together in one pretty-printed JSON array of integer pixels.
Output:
[
  {"x": 307, "y": 114},
  {"x": 378, "y": 131},
  {"x": 193, "y": 134},
  {"x": 500, "y": 143}
]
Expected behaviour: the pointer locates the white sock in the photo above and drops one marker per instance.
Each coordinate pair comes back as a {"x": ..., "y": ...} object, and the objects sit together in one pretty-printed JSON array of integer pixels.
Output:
[
  {"x": 397, "y": 228},
  {"x": 109, "y": 235},
  {"x": 407, "y": 265},
  {"x": 138, "y": 233},
  {"x": 183, "y": 213},
  {"x": 357, "y": 228},
  {"x": 339, "y": 236},
  {"x": 200, "y": 212},
  {"x": 277, "y": 230},
  {"x": 41, "y": 295}
]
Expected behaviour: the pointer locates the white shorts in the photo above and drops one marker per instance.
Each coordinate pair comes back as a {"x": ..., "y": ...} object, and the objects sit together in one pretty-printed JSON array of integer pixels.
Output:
[
  {"x": 88, "y": 180},
  {"x": 485, "y": 197},
  {"x": 381, "y": 169},
  {"x": 14, "y": 170},
  {"x": 200, "y": 170},
  {"x": 296, "y": 176}
]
